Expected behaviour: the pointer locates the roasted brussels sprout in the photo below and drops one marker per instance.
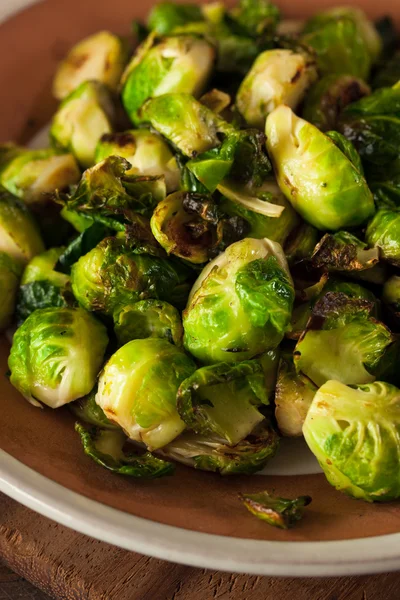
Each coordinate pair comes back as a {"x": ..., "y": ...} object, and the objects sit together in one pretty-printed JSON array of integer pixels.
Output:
[
  {"x": 326, "y": 99},
  {"x": 83, "y": 117},
  {"x": 316, "y": 177},
  {"x": 187, "y": 225},
  {"x": 241, "y": 304},
  {"x": 276, "y": 77},
  {"x": 148, "y": 318},
  {"x": 42, "y": 286},
  {"x": 344, "y": 41},
  {"x": 278, "y": 512},
  {"x": 100, "y": 57},
  {"x": 209, "y": 453},
  {"x": 383, "y": 232},
  {"x": 86, "y": 410},
  {"x": 19, "y": 235},
  {"x": 146, "y": 152},
  {"x": 113, "y": 275},
  {"x": 223, "y": 399},
  {"x": 342, "y": 341},
  {"x": 10, "y": 272},
  {"x": 31, "y": 174},
  {"x": 177, "y": 64},
  {"x": 164, "y": 17},
  {"x": 354, "y": 433},
  {"x": 137, "y": 390},
  {"x": 185, "y": 122},
  {"x": 256, "y": 17},
  {"x": 56, "y": 355},
  {"x": 293, "y": 396},
  {"x": 106, "y": 448}
]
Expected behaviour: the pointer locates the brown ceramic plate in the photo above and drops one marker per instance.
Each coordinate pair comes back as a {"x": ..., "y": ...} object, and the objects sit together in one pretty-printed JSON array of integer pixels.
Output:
[{"x": 192, "y": 517}]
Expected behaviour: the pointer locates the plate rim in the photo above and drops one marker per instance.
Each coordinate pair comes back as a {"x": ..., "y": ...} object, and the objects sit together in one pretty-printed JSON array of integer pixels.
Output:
[{"x": 193, "y": 548}]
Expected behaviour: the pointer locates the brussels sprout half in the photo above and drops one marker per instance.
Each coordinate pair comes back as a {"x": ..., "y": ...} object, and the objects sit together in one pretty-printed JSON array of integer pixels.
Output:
[
  {"x": 276, "y": 77},
  {"x": 19, "y": 235},
  {"x": 177, "y": 64},
  {"x": 278, "y": 512},
  {"x": 315, "y": 176},
  {"x": 293, "y": 396},
  {"x": 10, "y": 271},
  {"x": 327, "y": 98},
  {"x": 100, "y": 57},
  {"x": 42, "y": 286},
  {"x": 342, "y": 341},
  {"x": 240, "y": 305},
  {"x": 83, "y": 117},
  {"x": 146, "y": 152},
  {"x": 354, "y": 434},
  {"x": 148, "y": 318},
  {"x": 114, "y": 275},
  {"x": 339, "y": 46},
  {"x": 185, "y": 122},
  {"x": 209, "y": 453},
  {"x": 223, "y": 399},
  {"x": 383, "y": 232},
  {"x": 31, "y": 174},
  {"x": 137, "y": 390},
  {"x": 187, "y": 225},
  {"x": 105, "y": 447},
  {"x": 56, "y": 355}
]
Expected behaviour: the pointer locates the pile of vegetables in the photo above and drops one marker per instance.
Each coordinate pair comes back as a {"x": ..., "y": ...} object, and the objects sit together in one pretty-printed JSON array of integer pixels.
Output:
[{"x": 206, "y": 258}]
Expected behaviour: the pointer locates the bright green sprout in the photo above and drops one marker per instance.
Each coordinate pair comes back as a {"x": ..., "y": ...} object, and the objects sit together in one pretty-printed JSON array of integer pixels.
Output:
[
  {"x": 137, "y": 390},
  {"x": 354, "y": 434},
  {"x": 56, "y": 355}
]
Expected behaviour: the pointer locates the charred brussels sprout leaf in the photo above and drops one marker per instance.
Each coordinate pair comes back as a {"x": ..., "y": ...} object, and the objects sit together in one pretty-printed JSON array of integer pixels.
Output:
[
  {"x": 209, "y": 453},
  {"x": 321, "y": 183},
  {"x": 329, "y": 96},
  {"x": 344, "y": 252},
  {"x": 165, "y": 16},
  {"x": 148, "y": 318},
  {"x": 293, "y": 396},
  {"x": 146, "y": 152},
  {"x": 383, "y": 232},
  {"x": 278, "y": 512},
  {"x": 114, "y": 275},
  {"x": 138, "y": 386},
  {"x": 170, "y": 65},
  {"x": 342, "y": 341},
  {"x": 80, "y": 246},
  {"x": 105, "y": 447},
  {"x": 19, "y": 235},
  {"x": 354, "y": 433},
  {"x": 83, "y": 117},
  {"x": 222, "y": 399},
  {"x": 187, "y": 225},
  {"x": 10, "y": 271},
  {"x": 276, "y": 77},
  {"x": 33, "y": 174},
  {"x": 101, "y": 57},
  {"x": 86, "y": 410},
  {"x": 189, "y": 125},
  {"x": 241, "y": 304},
  {"x": 56, "y": 355}
]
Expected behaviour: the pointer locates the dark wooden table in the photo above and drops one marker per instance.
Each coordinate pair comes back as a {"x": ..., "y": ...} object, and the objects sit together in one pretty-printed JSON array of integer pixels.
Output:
[{"x": 70, "y": 566}]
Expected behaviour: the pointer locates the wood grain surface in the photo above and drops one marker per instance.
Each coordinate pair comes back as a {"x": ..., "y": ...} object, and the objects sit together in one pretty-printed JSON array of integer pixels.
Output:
[{"x": 70, "y": 566}]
